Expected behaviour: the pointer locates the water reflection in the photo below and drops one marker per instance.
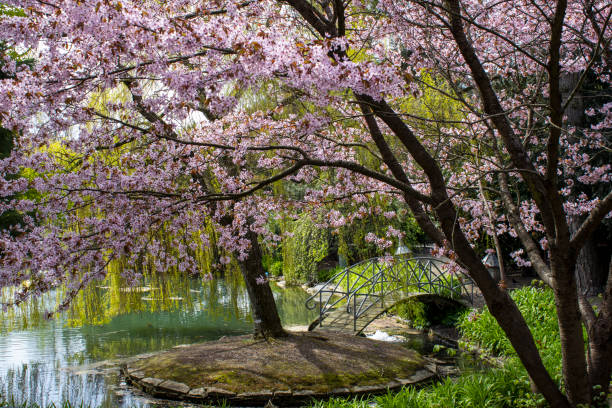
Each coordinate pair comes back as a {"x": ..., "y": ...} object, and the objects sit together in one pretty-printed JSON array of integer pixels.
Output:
[{"x": 60, "y": 360}]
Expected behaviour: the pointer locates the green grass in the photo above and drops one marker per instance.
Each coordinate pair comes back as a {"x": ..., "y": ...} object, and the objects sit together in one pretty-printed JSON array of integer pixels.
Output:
[
  {"x": 497, "y": 388},
  {"x": 505, "y": 387},
  {"x": 11, "y": 403}
]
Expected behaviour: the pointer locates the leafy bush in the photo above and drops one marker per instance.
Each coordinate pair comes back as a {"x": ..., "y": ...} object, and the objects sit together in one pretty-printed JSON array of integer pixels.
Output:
[
  {"x": 414, "y": 311},
  {"x": 323, "y": 275},
  {"x": 536, "y": 303},
  {"x": 276, "y": 268}
]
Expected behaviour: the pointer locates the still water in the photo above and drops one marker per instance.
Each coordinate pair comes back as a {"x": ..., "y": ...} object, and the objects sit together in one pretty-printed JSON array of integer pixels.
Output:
[{"x": 66, "y": 359}]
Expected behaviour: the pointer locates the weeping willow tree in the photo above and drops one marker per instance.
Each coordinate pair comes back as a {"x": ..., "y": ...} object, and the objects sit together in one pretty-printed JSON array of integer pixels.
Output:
[
  {"x": 382, "y": 213},
  {"x": 303, "y": 249},
  {"x": 158, "y": 291},
  {"x": 307, "y": 248}
]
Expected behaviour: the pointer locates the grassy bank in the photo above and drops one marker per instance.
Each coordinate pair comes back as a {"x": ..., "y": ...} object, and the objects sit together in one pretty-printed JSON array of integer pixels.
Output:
[
  {"x": 10, "y": 403},
  {"x": 504, "y": 387}
]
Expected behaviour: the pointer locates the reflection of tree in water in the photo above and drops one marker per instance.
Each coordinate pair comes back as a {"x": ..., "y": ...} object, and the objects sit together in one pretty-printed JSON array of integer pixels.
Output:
[
  {"x": 27, "y": 314},
  {"x": 167, "y": 310},
  {"x": 98, "y": 304},
  {"x": 183, "y": 297},
  {"x": 40, "y": 382},
  {"x": 102, "y": 301}
]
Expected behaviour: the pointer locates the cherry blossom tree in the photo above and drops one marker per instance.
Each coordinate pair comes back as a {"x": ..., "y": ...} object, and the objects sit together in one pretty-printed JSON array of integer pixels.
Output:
[{"x": 186, "y": 112}]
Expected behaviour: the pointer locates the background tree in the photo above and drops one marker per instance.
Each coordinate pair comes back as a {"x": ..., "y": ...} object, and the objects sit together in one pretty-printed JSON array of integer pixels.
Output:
[{"x": 9, "y": 60}]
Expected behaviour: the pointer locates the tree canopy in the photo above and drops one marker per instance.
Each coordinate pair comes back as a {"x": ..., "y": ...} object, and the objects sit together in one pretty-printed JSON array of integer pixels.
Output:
[{"x": 143, "y": 114}]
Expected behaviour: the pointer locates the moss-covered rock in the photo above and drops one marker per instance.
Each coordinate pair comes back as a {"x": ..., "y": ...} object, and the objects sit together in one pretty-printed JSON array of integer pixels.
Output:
[{"x": 287, "y": 370}]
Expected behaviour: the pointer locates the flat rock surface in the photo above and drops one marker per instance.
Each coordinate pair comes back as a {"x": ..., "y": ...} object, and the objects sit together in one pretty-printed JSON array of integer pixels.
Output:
[{"x": 299, "y": 365}]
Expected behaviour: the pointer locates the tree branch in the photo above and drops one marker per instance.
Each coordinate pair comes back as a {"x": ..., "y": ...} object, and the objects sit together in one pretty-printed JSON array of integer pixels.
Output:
[
  {"x": 313, "y": 17},
  {"x": 493, "y": 108},
  {"x": 589, "y": 225},
  {"x": 513, "y": 213}
]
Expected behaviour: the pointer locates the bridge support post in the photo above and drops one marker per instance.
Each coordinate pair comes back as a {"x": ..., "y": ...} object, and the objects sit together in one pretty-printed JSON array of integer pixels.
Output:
[
  {"x": 348, "y": 291},
  {"x": 320, "y": 309},
  {"x": 354, "y": 313},
  {"x": 382, "y": 287}
]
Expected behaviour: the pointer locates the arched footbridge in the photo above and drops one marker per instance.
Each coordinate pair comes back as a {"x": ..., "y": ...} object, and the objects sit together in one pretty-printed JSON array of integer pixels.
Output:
[{"x": 359, "y": 294}]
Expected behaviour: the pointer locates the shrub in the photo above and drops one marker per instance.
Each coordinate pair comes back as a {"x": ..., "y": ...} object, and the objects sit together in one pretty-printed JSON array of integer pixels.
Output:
[
  {"x": 414, "y": 311},
  {"x": 536, "y": 303},
  {"x": 323, "y": 275},
  {"x": 276, "y": 268}
]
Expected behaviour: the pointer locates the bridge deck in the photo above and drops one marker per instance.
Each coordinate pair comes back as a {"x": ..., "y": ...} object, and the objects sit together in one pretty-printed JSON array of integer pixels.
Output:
[
  {"x": 342, "y": 321},
  {"x": 339, "y": 319}
]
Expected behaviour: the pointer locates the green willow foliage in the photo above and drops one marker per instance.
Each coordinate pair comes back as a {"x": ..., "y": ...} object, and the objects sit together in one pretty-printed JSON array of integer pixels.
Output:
[
  {"x": 169, "y": 290},
  {"x": 351, "y": 238},
  {"x": 302, "y": 252}
]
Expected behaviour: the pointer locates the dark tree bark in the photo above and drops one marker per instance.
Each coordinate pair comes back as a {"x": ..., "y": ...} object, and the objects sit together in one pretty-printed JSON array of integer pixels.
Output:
[
  {"x": 599, "y": 329},
  {"x": 590, "y": 264},
  {"x": 263, "y": 307},
  {"x": 590, "y": 268}
]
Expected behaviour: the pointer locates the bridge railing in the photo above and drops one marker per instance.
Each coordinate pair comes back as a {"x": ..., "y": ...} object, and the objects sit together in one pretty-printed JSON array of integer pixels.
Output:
[
  {"x": 364, "y": 285},
  {"x": 374, "y": 287},
  {"x": 340, "y": 287},
  {"x": 428, "y": 274}
]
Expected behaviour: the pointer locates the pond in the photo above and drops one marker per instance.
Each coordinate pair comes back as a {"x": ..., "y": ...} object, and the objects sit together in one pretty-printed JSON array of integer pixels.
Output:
[
  {"x": 54, "y": 361},
  {"x": 67, "y": 358}
]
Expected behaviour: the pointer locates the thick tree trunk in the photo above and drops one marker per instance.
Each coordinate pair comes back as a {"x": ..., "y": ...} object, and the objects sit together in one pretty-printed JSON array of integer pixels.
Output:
[
  {"x": 590, "y": 273},
  {"x": 263, "y": 307},
  {"x": 600, "y": 345},
  {"x": 590, "y": 267},
  {"x": 501, "y": 306},
  {"x": 570, "y": 327}
]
